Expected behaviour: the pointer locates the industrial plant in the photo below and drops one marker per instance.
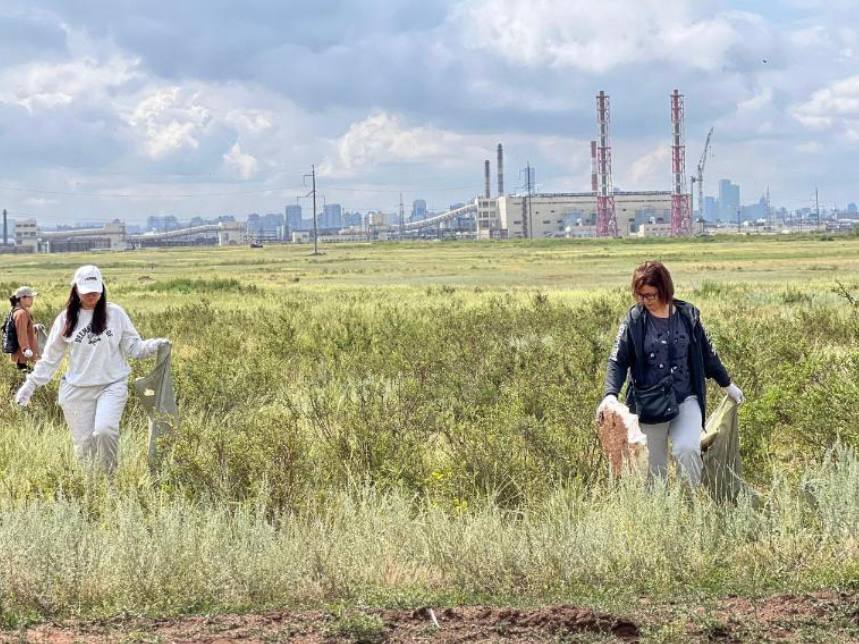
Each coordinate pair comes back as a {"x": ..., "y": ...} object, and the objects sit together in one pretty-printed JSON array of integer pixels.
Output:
[{"x": 601, "y": 212}]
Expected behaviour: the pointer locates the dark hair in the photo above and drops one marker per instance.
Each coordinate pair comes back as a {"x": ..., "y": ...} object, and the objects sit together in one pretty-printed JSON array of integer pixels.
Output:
[
  {"x": 14, "y": 301},
  {"x": 73, "y": 308},
  {"x": 656, "y": 275}
]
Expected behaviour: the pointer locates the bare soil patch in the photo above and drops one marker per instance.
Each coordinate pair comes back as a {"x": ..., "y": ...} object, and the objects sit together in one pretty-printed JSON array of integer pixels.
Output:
[{"x": 779, "y": 619}]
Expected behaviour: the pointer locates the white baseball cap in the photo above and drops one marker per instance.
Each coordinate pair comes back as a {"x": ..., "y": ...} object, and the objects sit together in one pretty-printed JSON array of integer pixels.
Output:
[
  {"x": 25, "y": 291},
  {"x": 87, "y": 279}
]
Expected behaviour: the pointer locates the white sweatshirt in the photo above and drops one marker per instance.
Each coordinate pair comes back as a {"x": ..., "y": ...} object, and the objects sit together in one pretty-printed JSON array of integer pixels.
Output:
[{"x": 93, "y": 359}]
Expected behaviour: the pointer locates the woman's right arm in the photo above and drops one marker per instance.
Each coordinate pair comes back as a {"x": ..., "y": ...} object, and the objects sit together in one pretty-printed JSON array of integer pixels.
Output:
[
  {"x": 55, "y": 349},
  {"x": 618, "y": 362}
]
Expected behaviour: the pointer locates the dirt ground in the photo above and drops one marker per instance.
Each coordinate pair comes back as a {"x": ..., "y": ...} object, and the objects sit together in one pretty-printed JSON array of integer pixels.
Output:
[{"x": 829, "y": 617}]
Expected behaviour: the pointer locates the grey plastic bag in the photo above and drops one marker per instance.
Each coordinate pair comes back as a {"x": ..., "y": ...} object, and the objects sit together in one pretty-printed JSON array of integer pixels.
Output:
[{"x": 158, "y": 399}]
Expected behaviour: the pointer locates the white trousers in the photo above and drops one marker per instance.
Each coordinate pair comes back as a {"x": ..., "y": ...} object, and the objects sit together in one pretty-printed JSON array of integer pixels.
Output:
[
  {"x": 93, "y": 415},
  {"x": 685, "y": 433}
]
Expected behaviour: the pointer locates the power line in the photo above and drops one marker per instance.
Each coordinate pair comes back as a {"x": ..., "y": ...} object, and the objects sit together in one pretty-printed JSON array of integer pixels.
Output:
[
  {"x": 419, "y": 189},
  {"x": 187, "y": 195},
  {"x": 126, "y": 195}
]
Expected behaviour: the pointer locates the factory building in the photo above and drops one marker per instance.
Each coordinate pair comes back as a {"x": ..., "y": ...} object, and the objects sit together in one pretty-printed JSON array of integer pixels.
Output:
[{"x": 575, "y": 214}]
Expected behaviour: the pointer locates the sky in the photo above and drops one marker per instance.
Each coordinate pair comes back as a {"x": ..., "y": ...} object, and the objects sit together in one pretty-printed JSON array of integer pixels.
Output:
[{"x": 125, "y": 109}]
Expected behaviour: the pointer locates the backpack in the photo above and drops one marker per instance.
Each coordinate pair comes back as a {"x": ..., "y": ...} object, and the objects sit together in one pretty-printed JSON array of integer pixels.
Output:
[{"x": 10, "y": 335}]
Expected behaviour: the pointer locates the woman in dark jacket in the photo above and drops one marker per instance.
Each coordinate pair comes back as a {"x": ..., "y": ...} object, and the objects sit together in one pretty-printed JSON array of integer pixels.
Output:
[{"x": 663, "y": 348}]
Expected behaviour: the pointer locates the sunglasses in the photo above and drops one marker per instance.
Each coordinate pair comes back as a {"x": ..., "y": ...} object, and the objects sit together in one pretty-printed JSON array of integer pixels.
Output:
[{"x": 647, "y": 297}]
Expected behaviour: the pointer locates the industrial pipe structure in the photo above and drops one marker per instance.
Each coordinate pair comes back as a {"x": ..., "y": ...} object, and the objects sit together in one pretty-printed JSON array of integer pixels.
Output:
[
  {"x": 185, "y": 232},
  {"x": 466, "y": 210}
]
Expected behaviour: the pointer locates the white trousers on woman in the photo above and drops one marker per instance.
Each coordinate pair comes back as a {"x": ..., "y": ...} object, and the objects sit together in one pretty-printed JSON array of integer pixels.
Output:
[
  {"x": 93, "y": 415},
  {"x": 685, "y": 433}
]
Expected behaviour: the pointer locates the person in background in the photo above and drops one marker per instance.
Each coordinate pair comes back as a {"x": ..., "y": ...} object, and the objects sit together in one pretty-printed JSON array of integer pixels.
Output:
[
  {"x": 99, "y": 338},
  {"x": 663, "y": 349},
  {"x": 25, "y": 328}
]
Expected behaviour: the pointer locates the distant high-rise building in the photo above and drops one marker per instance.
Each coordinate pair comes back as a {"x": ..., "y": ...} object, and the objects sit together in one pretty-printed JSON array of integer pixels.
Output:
[
  {"x": 352, "y": 218},
  {"x": 729, "y": 200},
  {"x": 293, "y": 217},
  {"x": 254, "y": 224},
  {"x": 271, "y": 226},
  {"x": 332, "y": 216},
  {"x": 419, "y": 210},
  {"x": 852, "y": 209},
  {"x": 711, "y": 208}
]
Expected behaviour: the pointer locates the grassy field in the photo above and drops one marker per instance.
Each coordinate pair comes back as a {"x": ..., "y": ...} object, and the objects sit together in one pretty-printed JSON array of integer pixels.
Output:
[{"x": 406, "y": 425}]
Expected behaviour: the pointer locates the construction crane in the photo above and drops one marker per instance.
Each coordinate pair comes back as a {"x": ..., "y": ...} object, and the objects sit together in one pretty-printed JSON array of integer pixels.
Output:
[{"x": 700, "y": 177}]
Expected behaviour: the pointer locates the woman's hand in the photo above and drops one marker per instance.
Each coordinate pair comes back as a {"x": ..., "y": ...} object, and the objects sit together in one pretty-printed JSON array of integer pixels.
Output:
[
  {"x": 22, "y": 398},
  {"x": 734, "y": 393},
  {"x": 607, "y": 402}
]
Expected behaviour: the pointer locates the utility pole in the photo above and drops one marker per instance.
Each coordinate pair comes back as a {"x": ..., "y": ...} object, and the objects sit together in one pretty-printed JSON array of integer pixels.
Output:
[
  {"x": 738, "y": 220},
  {"x": 312, "y": 175},
  {"x": 527, "y": 219},
  {"x": 692, "y": 181},
  {"x": 817, "y": 207},
  {"x": 402, "y": 216},
  {"x": 530, "y": 193}
]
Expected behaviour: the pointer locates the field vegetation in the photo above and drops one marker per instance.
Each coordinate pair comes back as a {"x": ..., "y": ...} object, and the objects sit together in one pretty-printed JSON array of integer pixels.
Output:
[{"x": 406, "y": 425}]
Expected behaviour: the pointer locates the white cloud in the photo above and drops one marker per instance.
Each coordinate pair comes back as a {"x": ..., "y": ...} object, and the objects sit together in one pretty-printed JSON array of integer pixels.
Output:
[
  {"x": 752, "y": 116},
  {"x": 252, "y": 121},
  {"x": 384, "y": 138},
  {"x": 835, "y": 108},
  {"x": 244, "y": 164},
  {"x": 652, "y": 168},
  {"x": 597, "y": 36},
  {"x": 43, "y": 85},
  {"x": 169, "y": 120}
]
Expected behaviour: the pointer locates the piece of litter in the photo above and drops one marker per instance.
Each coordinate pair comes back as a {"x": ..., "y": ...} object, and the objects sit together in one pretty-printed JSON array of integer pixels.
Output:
[{"x": 434, "y": 620}]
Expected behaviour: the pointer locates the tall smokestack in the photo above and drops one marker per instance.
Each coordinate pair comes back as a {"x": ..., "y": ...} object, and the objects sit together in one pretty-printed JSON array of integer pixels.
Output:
[
  {"x": 500, "y": 170},
  {"x": 5, "y": 229},
  {"x": 594, "y": 182},
  {"x": 487, "y": 188}
]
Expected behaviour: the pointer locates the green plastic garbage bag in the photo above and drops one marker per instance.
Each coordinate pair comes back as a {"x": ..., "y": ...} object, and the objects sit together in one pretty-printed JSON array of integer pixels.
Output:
[
  {"x": 720, "y": 447},
  {"x": 158, "y": 399}
]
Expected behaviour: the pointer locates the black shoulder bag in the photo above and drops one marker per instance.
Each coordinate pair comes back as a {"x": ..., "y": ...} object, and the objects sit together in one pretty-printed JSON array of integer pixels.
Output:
[{"x": 658, "y": 403}]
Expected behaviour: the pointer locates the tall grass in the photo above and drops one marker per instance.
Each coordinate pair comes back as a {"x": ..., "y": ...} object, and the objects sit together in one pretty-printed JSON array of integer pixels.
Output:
[
  {"x": 450, "y": 396},
  {"x": 403, "y": 443},
  {"x": 364, "y": 545}
]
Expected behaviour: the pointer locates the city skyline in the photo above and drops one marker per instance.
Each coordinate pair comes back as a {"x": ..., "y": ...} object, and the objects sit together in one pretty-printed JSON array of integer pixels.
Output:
[{"x": 201, "y": 110}]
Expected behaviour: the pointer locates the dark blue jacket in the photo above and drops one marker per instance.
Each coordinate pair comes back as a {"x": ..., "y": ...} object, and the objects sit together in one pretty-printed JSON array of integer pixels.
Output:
[{"x": 628, "y": 358}]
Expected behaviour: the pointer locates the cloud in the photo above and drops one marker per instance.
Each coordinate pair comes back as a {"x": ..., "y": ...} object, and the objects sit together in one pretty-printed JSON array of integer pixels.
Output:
[
  {"x": 43, "y": 86},
  {"x": 598, "y": 36},
  {"x": 834, "y": 108},
  {"x": 170, "y": 120},
  {"x": 26, "y": 33},
  {"x": 155, "y": 98},
  {"x": 244, "y": 164},
  {"x": 384, "y": 139},
  {"x": 651, "y": 169}
]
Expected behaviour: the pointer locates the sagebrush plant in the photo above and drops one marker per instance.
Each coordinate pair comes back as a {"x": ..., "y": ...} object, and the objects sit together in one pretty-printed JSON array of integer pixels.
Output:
[
  {"x": 164, "y": 555},
  {"x": 351, "y": 443}
]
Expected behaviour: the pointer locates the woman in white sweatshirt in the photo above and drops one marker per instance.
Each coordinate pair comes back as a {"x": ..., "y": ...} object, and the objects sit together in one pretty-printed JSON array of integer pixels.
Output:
[{"x": 100, "y": 339}]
